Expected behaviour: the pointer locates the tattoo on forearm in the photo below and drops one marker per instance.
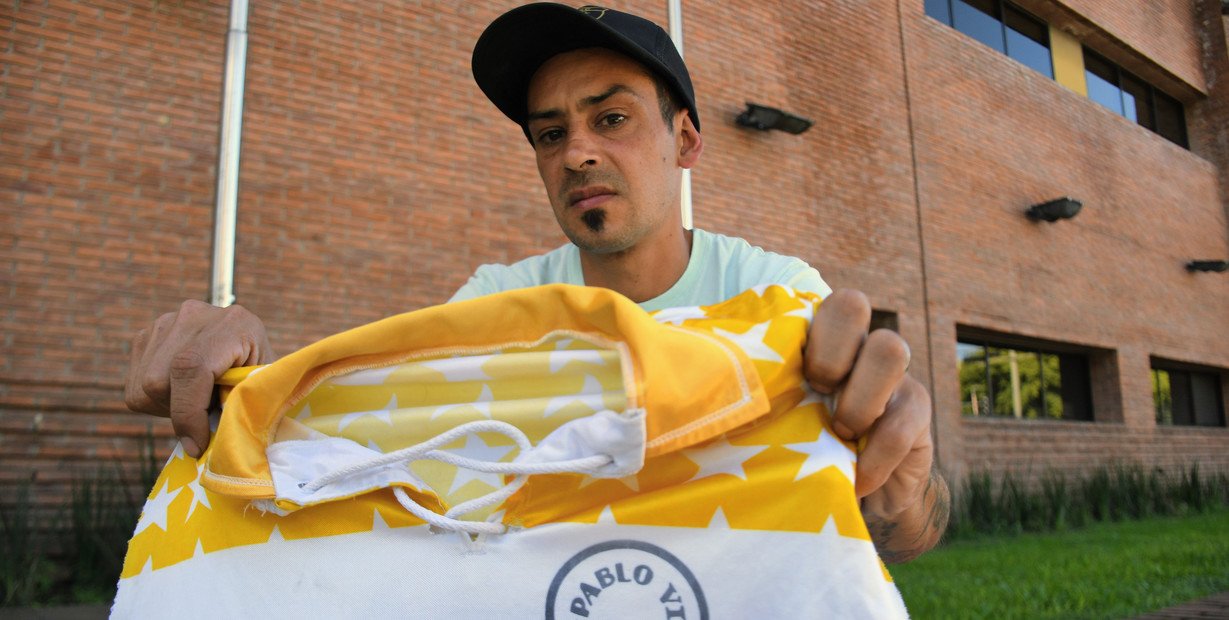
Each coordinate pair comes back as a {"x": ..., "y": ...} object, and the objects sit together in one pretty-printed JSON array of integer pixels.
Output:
[
  {"x": 885, "y": 534},
  {"x": 881, "y": 535},
  {"x": 941, "y": 509}
]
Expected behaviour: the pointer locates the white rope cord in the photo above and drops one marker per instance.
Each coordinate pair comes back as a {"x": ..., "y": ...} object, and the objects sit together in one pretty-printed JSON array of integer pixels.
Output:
[
  {"x": 419, "y": 451},
  {"x": 446, "y": 523},
  {"x": 584, "y": 465},
  {"x": 427, "y": 451}
]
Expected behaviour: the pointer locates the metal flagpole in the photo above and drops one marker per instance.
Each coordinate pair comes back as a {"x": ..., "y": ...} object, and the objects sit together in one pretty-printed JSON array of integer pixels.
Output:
[{"x": 224, "y": 221}]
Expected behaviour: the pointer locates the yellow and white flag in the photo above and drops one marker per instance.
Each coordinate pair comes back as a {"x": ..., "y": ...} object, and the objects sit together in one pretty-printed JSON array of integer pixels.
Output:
[{"x": 553, "y": 451}]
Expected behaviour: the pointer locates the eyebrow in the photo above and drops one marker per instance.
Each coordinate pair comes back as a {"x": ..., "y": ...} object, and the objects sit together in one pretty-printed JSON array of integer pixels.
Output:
[{"x": 584, "y": 102}]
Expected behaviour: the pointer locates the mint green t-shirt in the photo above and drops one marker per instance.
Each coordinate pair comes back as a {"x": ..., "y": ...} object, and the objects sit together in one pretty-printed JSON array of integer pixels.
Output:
[{"x": 720, "y": 267}]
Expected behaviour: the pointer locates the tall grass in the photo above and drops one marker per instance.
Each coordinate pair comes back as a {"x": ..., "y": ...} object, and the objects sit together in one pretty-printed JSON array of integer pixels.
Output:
[
  {"x": 92, "y": 530},
  {"x": 25, "y": 574},
  {"x": 1055, "y": 502}
]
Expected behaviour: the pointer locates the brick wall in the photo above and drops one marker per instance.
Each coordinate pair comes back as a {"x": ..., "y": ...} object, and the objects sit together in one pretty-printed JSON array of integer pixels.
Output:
[
  {"x": 374, "y": 171},
  {"x": 994, "y": 137},
  {"x": 841, "y": 195},
  {"x": 1165, "y": 31},
  {"x": 108, "y": 134}
]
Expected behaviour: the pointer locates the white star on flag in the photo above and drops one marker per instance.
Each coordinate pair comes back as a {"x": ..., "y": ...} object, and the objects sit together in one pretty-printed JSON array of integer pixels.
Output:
[
  {"x": 305, "y": 413},
  {"x": 377, "y": 521},
  {"x": 811, "y": 397},
  {"x": 482, "y": 404},
  {"x": 460, "y": 368},
  {"x": 807, "y": 311},
  {"x": 829, "y": 529},
  {"x": 676, "y": 316},
  {"x": 607, "y": 516},
  {"x": 632, "y": 482},
  {"x": 825, "y": 451},
  {"x": 384, "y": 415},
  {"x": 370, "y": 376},
  {"x": 752, "y": 342},
  {"x": 590, "y": 394},
  {"x": 721, "y": 457},
  {"x": 559, "y": 359},
  {"x": 718, "y": 522},
  {"x": 198, "y": 492},
  {"x": 155, "y": 509},
  {"x": 479, "y": 450}
]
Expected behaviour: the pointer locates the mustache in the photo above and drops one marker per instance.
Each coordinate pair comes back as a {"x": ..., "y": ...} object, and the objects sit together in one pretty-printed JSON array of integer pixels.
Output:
[{"x": 577, "y": 180}]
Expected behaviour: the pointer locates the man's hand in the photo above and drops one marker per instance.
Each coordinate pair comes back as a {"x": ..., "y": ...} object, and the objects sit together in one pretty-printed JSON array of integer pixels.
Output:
[
  {"x": 904, "y": 502},
  {"x": 176, "y": 361}
]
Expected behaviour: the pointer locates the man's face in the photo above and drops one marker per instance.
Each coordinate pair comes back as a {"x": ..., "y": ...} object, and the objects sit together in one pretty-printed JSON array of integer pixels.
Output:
[{"x": 609, "y": 161}]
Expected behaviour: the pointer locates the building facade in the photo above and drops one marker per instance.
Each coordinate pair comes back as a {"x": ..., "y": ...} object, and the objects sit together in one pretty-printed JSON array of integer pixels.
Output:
[{"x": 375, "y": 177}]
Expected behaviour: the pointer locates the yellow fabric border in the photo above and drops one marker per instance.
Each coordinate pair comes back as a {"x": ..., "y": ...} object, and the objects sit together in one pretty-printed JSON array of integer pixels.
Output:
[{"x": 694, "y": 386}]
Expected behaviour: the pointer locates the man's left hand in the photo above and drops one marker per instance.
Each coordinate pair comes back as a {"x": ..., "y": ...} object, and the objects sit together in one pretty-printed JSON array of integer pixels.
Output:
[{"x": 887, "y": 412}]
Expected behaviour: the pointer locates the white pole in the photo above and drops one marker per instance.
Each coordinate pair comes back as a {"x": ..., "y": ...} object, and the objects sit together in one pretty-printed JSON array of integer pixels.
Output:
[
  {"x": 675, "y": 12},
  {"x": 224, "y": 221}
]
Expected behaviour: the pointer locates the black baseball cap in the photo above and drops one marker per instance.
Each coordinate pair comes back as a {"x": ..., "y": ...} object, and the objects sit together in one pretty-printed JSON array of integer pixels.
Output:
[{"x": 520, "y": 41}]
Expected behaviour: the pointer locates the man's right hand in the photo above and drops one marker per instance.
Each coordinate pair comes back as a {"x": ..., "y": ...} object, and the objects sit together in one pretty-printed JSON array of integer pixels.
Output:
[{"x": 176, "y": 361}]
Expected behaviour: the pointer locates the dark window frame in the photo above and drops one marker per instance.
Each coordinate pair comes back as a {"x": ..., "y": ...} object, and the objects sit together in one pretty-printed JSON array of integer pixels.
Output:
[
  {"x": 1186, "y": 373},
  {"x": 1001, "y": 10},
  {"x": 1173, "y": 129},
  {"x": 1152, "y": 123},
  {"x": 1069, "y": 395}
]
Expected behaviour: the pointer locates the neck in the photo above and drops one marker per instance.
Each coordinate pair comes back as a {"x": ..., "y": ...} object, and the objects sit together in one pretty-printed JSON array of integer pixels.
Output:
[{"x": 642, "y": 272}]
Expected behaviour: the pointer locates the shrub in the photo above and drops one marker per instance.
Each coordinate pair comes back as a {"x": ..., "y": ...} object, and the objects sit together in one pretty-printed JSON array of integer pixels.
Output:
[
  {"x": 1111, "y": 492},
  {"x": 93, "y": 529},
  {"x": 25, "y": 574}
]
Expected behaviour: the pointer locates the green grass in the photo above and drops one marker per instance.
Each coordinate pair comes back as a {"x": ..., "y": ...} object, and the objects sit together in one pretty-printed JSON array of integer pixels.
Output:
[{"x": 1106, "y": 570}]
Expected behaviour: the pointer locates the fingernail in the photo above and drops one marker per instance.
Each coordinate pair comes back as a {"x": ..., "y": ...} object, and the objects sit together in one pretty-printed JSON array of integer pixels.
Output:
[{"x": 189, "y": 447}]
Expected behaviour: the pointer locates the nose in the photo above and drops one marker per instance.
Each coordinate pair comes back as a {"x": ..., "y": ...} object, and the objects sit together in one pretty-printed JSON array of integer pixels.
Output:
[{"x": 580, "y": 151}]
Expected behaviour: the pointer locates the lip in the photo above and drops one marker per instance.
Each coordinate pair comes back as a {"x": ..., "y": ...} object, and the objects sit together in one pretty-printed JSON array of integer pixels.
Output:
[{"x": 587, "y": 198}]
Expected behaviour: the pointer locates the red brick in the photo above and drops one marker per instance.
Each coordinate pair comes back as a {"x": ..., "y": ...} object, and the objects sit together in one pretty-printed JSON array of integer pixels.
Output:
[{"x": 374, "y": 171}]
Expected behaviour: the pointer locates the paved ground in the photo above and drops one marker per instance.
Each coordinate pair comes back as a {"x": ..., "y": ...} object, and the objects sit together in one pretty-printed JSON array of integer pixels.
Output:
[
  {"x": 71, "y": 612},
  {"x": 1216, "y": 606}
]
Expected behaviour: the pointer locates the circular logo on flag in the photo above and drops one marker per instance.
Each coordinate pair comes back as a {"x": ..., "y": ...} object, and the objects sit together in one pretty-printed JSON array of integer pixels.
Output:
[{"x": 625, "y": 579}]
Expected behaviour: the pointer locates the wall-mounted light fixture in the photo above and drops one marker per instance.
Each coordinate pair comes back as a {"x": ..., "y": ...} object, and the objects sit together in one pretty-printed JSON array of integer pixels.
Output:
[
  {"x": 1058, "y": 209},
  {"x": 1218, "y": 266},
  {"x": 764, "y": 118}
]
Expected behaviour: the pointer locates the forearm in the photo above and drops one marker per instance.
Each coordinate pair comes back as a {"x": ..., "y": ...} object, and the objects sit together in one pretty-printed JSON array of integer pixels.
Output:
[{"x": 917, "y": 528}]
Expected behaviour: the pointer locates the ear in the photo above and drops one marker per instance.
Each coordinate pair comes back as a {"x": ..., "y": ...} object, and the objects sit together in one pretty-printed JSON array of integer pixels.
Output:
[{"x": 689, "y": 142}]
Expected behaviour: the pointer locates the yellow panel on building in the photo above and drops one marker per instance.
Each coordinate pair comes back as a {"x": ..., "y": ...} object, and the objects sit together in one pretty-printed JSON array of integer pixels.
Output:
[{"x": 1068, "y": 60}]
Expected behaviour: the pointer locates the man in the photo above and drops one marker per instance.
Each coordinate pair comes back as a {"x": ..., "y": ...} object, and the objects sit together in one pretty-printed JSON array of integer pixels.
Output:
[{"x": 608, "y": 106}]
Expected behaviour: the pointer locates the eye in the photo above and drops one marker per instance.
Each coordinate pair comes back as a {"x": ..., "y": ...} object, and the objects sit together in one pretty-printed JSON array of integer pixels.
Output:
[
  {"x": 613, "y": 120},
  {"x": 550, "y": 136}
]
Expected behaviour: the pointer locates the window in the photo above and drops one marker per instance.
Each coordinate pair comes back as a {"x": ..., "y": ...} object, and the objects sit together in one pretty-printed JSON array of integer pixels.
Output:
[
  {"x": 884, "y": 319},
  {"x": 1137, "y": 100},
  {"x": 1185, "y": 397},
  {"x": 1005, "y": 27},
  {"x": 1000, "y": 25},
  {"x": 1022, "y": 382}
]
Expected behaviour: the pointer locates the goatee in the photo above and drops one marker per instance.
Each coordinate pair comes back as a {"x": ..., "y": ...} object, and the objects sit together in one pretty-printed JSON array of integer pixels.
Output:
[{"x": 595, "y": 219}]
